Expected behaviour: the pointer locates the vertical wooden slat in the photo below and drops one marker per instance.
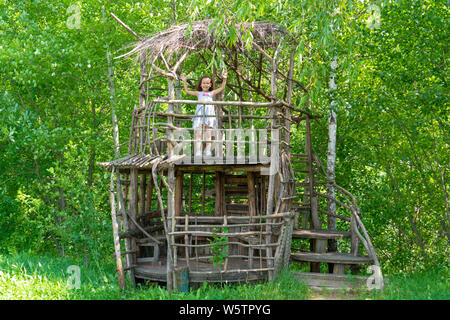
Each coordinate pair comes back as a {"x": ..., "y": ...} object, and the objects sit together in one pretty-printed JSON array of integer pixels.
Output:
[
  {"x": 186, "y": 240},
  {"x": 148, "y": 202},
  {"x": 142, "y": 186},
  {"x": 133, "y": 207},
  {"x": 179, "y": 193},
  {"x": 123, "y": 210},
  {"x": 171, "y": 261},
  {"x": 220, "y": 193},
  {"x": 203, "y": 192},
  {"x": 190, "y": 194},
  {"x": 354, "y": 237},
  {"x": 251, "y": 195}
]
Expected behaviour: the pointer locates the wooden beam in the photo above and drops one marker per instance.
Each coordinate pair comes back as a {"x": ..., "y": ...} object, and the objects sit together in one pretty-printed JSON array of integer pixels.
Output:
[
  {"x": 115, "y": 227},
  {"x": 251, "y": 195},
  {"x": 125, "y": 26},
  {"x": 179, "y": 193}
]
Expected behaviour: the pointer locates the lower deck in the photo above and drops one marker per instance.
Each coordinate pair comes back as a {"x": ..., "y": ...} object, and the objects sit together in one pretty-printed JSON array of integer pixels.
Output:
[{"x": 237, "y": 271}]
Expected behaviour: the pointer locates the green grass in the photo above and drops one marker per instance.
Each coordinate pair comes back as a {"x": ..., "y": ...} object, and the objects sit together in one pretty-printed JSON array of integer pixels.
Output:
[
  {"x": 24, "y": 276},
  {"x": 29, "y": 277},
  {"x": 428, "y": 285}
]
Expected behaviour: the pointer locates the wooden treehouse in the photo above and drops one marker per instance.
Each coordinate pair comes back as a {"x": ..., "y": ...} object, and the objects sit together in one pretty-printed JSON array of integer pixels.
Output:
[{"x": 251, "y": 208}]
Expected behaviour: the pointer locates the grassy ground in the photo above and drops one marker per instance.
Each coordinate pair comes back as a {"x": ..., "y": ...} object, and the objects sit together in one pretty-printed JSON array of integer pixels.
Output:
[{"x": 30, "y": 277}]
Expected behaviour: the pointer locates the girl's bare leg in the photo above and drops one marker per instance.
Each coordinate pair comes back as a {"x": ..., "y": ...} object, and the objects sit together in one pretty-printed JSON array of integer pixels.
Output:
[
  {"x": 208, "y": 137},
  {"x": 198, "y": 140}
]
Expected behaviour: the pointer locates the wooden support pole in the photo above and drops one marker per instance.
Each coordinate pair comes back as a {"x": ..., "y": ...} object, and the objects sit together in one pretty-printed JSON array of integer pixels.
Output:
[
  {"x": 171, "y": 196},
  {"x": 220, "y": 193},
  {"x": 203, "y": 192},
  {"x": 251, "y": 195},
  {"x": 133, "y": 208},
  {"x": 115, "y": 227},
  {"x": 179, "y": 193},
  {"x": 148, "y": 202},
  {"x": 190, "y": 194},
  {"x": 142, "y": 187}
]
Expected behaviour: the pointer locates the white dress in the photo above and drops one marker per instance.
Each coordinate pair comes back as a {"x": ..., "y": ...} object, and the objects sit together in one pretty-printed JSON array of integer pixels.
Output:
[{"x": 204, "y": 110}]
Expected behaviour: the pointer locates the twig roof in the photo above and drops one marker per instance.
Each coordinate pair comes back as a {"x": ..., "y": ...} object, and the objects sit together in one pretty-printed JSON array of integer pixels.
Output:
[{"x": 202, "y": 34}]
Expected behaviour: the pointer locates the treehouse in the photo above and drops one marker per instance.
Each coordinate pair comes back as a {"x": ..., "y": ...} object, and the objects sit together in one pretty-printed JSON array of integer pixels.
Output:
[{"x": 180, "y": 218}]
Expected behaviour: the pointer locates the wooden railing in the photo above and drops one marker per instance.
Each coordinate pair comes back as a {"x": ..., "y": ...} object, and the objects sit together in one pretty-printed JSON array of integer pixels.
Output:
[
  {"x": 350, "y": 205},
  {"x": 229, "y": 145},
  {"x": 218, "y": 240}
]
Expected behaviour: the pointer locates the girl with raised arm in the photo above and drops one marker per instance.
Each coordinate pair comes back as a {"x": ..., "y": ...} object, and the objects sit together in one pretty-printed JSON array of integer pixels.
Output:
[{"x": 205, "y": 113}]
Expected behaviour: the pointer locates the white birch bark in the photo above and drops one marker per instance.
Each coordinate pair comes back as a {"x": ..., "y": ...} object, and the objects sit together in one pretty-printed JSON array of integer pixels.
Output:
[{"x": 331, "y": 161}]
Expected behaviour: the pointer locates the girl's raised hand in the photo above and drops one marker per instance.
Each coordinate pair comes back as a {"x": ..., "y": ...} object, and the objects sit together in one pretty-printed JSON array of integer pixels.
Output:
[
  {"x": 225, "y": 74},
  {"x": 183, "y": 77}
]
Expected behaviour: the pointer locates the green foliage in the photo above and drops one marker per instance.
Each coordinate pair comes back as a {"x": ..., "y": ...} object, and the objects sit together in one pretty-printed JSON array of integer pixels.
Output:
[
  {"x": 219, "y": 247},
  {"x": 392, "y": 146},
  {"x": 32, "y": 277}
]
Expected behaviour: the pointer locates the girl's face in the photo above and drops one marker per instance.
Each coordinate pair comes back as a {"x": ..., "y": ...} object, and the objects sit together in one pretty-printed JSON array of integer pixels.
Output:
[{"x": 205, "y": 84}]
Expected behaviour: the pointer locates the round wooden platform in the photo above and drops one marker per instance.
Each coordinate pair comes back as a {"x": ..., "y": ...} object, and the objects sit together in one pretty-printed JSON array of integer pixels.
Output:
[{"x": 237, "y": 271}]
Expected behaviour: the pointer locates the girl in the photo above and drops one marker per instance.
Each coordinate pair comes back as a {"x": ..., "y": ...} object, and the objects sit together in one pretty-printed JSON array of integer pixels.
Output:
[{"x": 204, "y": 93}]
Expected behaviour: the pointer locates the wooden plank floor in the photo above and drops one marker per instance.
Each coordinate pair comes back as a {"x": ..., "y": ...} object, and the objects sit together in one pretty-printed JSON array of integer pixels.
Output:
[
  {"x": 329, "y": 257},
  {"x": 237, "y": 271}
]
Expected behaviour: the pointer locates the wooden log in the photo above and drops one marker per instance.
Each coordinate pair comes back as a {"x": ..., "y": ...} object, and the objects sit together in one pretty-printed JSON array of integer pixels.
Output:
[
  {"x": 354, "y": 247},
  {"x": 251, "y": 195},
  {"x": 148, "y": 203},
  {"x": 122, "y": 209},
  {"x": 219, "y": 194},
  {"x": 203, "y": 192},
  {"x": 179, "y": 193},
  {"x": 142, "y": 185},
  {"x": 115, "y": 227},
  {"x": 133, "y": 207},
  {"x": 190, "y": 194}
]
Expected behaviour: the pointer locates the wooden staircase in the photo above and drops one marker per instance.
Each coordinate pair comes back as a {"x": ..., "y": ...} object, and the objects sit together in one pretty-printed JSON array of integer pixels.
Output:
[{"x": 311, "y": 204}]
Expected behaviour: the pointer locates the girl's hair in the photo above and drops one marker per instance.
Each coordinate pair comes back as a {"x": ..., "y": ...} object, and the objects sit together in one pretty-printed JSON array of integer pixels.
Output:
[{"x": 199, "y": 85}]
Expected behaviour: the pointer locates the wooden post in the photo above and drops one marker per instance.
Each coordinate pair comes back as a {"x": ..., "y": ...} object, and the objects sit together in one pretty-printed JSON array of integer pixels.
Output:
[
  {"x": 122, "y": 210},
  {"x": 142, "y": 184},
  {"x": 179, "y": 193},
  {"x": 203, "y": 192},
  {"x": 171, "y": 194},
  {"x": 190, "y": 194},
  {"x": 133, "y": 208},
  {"x": 148, "y": 203},
  {"x": 354, "y": 237},
  {"x": 115, "y": 227},
  {"x": 220, "y": 193},
  {"x": 251, "y": 195},
  {"x": 287, "y": 121}
]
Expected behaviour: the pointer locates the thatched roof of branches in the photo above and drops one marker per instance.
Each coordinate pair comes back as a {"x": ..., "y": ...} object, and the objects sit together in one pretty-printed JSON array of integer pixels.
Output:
[
  {"x": 202, "y": 34},
  {"x": 164, "y": 53}
]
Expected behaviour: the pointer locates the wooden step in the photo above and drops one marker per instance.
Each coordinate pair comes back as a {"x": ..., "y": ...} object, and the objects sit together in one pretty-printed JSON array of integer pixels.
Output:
[
  {"x": 330, "y": 281},
  {"x": 237, "y": 208},
  {"x": 236, "y": 179},
  {"x": 320, "y": 234},
  {"x": 330, "y": 257}
]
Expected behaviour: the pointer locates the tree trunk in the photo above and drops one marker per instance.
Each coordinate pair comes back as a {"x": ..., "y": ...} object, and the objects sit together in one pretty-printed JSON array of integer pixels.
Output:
[{"x": 331, "y": 165}]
